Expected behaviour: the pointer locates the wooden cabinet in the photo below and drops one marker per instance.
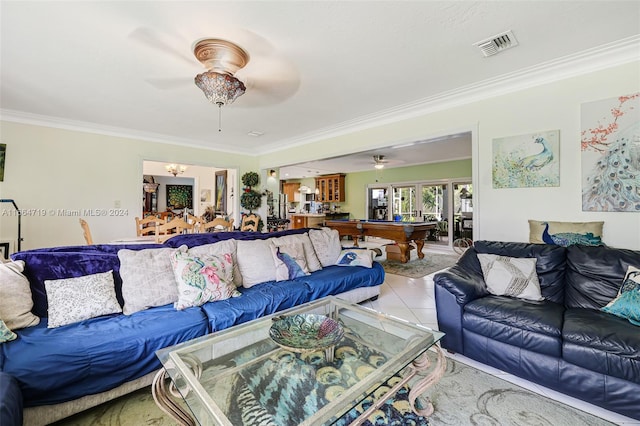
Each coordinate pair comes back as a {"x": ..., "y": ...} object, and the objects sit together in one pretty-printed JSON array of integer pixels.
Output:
[
  {"x": 306, "y": 221},
  {"x": 331, "y": 188},
  {"x": 291, "y": 189}
]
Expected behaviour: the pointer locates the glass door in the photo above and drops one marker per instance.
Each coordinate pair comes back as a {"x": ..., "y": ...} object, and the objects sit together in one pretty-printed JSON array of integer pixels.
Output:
[
  {"x": 378, "y": 205},
  {"x": 404, "y": 206}
]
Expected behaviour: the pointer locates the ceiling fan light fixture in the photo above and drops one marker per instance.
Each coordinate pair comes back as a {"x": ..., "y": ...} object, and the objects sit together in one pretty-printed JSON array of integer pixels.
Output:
[
  {"x": 220, "y": 89},
  {"x": 379, "y": 166}
]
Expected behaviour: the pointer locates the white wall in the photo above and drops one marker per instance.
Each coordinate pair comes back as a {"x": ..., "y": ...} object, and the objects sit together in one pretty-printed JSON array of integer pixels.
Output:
[
  {"x": 63, "y": 173},
  {"x": 502, "y": 214}
]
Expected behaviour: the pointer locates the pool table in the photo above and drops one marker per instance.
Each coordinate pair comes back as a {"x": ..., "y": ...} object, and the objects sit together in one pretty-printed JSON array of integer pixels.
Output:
[{"x": 403, "y": 233}]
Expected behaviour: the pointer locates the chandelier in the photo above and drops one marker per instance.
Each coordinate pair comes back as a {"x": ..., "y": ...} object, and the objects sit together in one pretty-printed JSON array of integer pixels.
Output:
[
  {"x": 175, "y": 169},
  {"x": 222, "y": 59}
]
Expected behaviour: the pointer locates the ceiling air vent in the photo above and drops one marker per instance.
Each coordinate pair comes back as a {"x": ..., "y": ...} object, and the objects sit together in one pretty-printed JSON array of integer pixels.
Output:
[{"x": 497, "y": 43}]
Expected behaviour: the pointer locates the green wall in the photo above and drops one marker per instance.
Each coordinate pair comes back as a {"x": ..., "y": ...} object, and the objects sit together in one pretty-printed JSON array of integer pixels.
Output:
[{"x": 356, "y": 183}]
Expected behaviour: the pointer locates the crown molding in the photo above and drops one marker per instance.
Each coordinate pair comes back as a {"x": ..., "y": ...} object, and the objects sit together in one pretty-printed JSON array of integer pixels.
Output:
[
  {"x": 88, "y": 127},
  {"x": 591, "y": 60}
]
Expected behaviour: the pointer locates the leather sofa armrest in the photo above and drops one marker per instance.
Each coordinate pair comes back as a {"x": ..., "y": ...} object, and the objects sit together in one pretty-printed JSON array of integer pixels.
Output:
[{"x": 464, "y": 280}]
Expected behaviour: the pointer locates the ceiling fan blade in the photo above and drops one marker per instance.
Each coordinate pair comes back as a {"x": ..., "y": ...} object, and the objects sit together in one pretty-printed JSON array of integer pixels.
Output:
[
  {"x": 169, "y": 83},
  {"x": 163, "y": 43},
  {"x": 267, "y": 91}
]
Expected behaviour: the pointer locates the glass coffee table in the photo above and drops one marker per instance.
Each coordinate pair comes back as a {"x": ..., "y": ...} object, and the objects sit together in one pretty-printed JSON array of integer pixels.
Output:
[{"x": 241, "y": 376}]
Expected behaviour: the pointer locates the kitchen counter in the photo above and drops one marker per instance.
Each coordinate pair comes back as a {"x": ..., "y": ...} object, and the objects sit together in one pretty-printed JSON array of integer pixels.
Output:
[{"x": 307, "y": 220}]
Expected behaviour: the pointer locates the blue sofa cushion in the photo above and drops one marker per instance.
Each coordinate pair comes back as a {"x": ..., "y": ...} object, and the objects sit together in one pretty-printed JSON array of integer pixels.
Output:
[
  {"x": 192, "y": 240},
  {"x": 10, "y": 401},
  {"x": 71, "y": 262},
  {"x": 68, "y": 362},
  {"x": 550, "y": 264},
  {"x": 595, "y": 274},
  {"x": 602, "y": 342},
  {"x": 270, "y": 297},
  {"x": 535, "y": 326}
]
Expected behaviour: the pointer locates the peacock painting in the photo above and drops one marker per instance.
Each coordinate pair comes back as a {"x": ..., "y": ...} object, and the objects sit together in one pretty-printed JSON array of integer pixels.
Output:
[
  {"x": 611, "y": 154},
  {"x": 526, "y": 160}
]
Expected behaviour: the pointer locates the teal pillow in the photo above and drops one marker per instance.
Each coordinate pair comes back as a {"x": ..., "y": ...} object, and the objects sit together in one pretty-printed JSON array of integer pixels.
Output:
[
  {"x": 6, "y": 335},
  {"x": 626, "y": 305}
]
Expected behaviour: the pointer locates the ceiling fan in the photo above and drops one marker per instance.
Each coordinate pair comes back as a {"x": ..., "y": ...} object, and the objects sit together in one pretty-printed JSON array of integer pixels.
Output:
[
  {"x": 267, "y": 77},
  {"x": 379, "y": 161}
]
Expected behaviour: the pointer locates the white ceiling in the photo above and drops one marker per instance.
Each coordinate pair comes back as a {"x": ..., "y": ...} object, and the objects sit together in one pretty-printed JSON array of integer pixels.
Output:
[{"x": 126, "y": 67}]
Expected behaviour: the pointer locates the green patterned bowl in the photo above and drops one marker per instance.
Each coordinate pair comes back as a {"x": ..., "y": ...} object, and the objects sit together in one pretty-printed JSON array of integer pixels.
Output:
[{"x": 305, "y": 332}]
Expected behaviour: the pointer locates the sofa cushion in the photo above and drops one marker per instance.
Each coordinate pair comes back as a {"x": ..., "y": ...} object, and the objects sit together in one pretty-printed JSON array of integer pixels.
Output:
[
  {"x": 6, "y": 335},
  {"x": 595, "y": 274},
  {"x": 10, "y": 401},
  {"x": 221, "y": 248},
  {"x": 255, "y": 262},
  {"x": 290, "y": 260},
  {"x": 147, "y": 278},
  {"x": 326, "y": 243},
  {"x": 535, "y": 326},
  {"x": 565, "y": 233},
  {"x": 15, "y": 297},
  {"x": 355, "y": 256},
  {"x": 313, "y": 263},
  {"x": 76, "y": 299},
  {"x": 550, "y": 263},
  {"x": 96, "y": 354},
  {"x": 202, "y": 279},
  {"x": 602, "y": 342},
  {"x": 510, "y": 276}
]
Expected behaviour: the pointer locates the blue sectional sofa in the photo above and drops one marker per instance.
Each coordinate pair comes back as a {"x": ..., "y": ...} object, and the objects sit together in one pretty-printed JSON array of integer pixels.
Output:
[
  {"x": 64, "y": 370},
  {"x": 564, "y": 342}
]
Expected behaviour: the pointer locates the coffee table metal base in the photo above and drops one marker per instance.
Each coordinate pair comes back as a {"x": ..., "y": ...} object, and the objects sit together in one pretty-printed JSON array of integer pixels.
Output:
[{"x": 164, "y": 391}]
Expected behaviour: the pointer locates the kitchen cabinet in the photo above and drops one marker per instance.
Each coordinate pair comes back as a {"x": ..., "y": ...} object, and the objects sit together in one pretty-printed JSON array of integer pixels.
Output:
[
  {"x": 331, "y": 188},
  {"x": 291, "y": 189}
]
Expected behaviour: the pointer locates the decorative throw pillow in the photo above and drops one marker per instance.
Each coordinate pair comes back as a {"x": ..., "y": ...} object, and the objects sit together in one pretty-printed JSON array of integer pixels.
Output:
[
  {"x": 355, "y": 257},
  {"x": 290, "y": 260},
  {"x": 511, "y": 276},
  {"x": 76, "y": 299},
  {"x": 627, "y": 305},
  {"x": 221, "y": 248},
  {"x": 147, "y": 278},
  {"x": 326, "y": 243},
  {"x": 256, "y": 262},
  {"x": 202, "y": 279},
  {"x": 6, "y": 335},
  {"x": 565, "y": 233},
  {"x": 313, "y": 263},
  {"x": 15, "y": 297},
  {"x": 624, "y": 305}
]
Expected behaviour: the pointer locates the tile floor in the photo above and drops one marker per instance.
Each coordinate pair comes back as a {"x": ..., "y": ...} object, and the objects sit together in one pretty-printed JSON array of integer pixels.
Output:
[{"x": 413, "y": 299}]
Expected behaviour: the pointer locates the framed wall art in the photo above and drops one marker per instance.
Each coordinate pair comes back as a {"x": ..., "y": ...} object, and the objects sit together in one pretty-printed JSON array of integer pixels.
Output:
[
  {"x": 529, "y": 160},
  {"x": 221, "y": 192},
  {"x": 610, "y": 145},
  {"x": 179, "y": 196},
  {"x": 3, "y": 153}
]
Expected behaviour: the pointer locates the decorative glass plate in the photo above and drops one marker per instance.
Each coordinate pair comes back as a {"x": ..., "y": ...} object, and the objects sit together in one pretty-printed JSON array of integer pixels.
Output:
[{"x": 305, "y": 332}]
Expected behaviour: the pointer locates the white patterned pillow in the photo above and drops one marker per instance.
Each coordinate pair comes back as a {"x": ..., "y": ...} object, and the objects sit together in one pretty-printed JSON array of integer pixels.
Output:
[
  {"x": 355, "y": 257},
  {"x": 290, "y": 260},
  {"x": 15, "y": 297},
  {"x": 6, "y": 335},
  {"x": 202, "y": 279},
  {"x": 76, "y": 299},
  {"x": 313, "y": 263},
  {"x": 147, "y": 278},
  {"x": 326, "y": 242},
  {"x": 511, "y": 276},
  {"x": 256, "y": 262},
  {"x": 220, "y": 248}
]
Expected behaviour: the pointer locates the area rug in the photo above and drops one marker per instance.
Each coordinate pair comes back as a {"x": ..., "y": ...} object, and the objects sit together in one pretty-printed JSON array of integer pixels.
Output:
[
  {"x": 464, "y": 396},
  {"x": 417, "y": 268}
]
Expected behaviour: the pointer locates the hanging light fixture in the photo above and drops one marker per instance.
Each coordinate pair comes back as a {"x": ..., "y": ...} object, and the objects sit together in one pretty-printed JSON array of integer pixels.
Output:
[
  {"x": 222, "y": 59},
  {"x": 175, "y": 169}
]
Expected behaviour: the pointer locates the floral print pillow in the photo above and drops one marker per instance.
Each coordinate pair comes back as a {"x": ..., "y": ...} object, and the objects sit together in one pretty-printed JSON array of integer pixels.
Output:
[
  {"x": 202, "y": 279},
  {"x": 6, "y": 335}
]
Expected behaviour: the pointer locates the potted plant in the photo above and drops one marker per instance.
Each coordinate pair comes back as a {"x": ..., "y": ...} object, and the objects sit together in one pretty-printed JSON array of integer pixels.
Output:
[{"x": 250, "y": 198}]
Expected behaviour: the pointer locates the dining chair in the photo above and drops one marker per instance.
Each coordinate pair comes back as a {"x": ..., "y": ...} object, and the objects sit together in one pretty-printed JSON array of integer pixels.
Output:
[
  {"x": 217, "y": 225},
  {"x": 172, "y": 228},
  {"x": 147, "y": 225},
  {"x": 197, "y": 222},
  {"x": 86, "y": 231},
  {"x": 250, "y": 222}
]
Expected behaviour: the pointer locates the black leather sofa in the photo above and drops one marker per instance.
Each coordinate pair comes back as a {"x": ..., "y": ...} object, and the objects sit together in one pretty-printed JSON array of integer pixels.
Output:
[{"x": 563, "y": 342}]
